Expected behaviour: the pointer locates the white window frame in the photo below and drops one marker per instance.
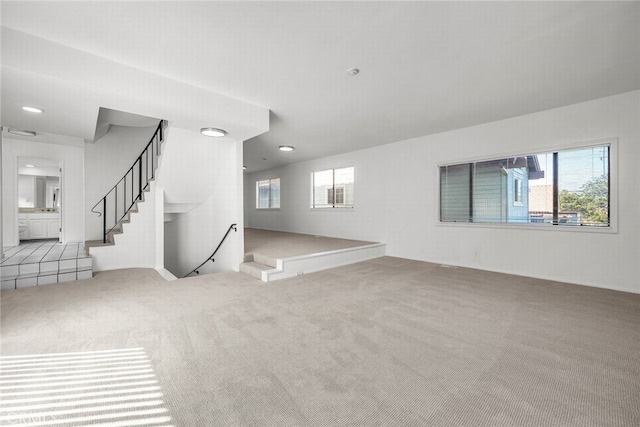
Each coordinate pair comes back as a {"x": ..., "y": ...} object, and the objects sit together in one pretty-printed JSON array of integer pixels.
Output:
[
  {"x": 270, "y": 198},
  {"x": 517, "y": 191},
  {"x": 613, "y": 227},
  {"x": 333, "y": 207}
]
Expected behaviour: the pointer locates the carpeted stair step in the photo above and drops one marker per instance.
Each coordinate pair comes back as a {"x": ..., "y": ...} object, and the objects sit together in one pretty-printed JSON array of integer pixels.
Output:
[
  {"x": 263, "y": 259},
  {"x": 254, "y": 269}
]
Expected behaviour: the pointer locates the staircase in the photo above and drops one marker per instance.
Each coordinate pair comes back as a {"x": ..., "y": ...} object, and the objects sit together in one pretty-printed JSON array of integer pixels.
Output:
[
  {"x": 132, "y": 200},
  {"x": 188, "y": 203},
  {"x": 110, "y": 236},
  {"x": 115, "y": 207}
]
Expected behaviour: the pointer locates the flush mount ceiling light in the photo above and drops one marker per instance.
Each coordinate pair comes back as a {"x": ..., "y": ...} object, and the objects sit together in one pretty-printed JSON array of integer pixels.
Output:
[
  {"x": 353, "y": 71},
  {"x": 22, "y": 132},
  {"x": 213, "y": 132},
  {"x": 29, "y": 166},
  {"x": 32, "y": 109},
  {"x": 286, "y": 148},
  {"x": 244, "y": 167}
]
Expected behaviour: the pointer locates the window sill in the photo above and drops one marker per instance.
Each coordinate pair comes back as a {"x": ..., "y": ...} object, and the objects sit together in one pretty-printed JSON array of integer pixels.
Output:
[
  {"x": 330, "y": 209},
  {"x": 532, "y": 227}
]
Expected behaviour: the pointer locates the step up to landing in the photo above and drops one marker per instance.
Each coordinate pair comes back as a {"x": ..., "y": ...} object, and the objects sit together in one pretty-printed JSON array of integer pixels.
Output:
[
  {"x": 270, "y": 269},
  {"x": 36, "y": 263},
  {"x": 254, "y": 269}
]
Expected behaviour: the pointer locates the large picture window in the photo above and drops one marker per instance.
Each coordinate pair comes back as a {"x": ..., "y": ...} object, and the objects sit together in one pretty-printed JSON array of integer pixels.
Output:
[
  {"x": 268, "y": 194},
  {"x": 565, "y": 187},
  {"x": 333, "y": 188}
]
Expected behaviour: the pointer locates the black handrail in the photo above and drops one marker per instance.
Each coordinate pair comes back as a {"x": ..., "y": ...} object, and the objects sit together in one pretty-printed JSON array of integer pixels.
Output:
[
  {"x": 195, "y": 270},
  {"x": 139, "y": 181}
]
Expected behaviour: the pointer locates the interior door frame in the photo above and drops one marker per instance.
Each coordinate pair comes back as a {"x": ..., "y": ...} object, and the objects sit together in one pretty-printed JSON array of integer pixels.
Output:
[{"x": 60, "y": 186}]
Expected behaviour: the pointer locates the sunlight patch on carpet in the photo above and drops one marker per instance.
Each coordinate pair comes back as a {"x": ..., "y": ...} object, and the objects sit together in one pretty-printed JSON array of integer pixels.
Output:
[{"x": 110, "y": 387}]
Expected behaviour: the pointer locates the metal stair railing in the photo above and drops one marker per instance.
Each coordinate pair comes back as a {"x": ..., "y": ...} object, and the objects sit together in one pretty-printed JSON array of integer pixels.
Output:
[
  {"x": 195, "y": 270},
  {"x": 119, "y": 201}
]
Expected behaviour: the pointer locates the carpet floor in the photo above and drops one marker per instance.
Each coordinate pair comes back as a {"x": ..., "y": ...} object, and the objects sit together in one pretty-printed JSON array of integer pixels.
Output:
[
  {"x": 387, "y": 342},
  {"x": 279, "y": 244}
]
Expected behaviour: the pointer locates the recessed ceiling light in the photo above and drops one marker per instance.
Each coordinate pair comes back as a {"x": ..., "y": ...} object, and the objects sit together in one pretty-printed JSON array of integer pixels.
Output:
[
  {"x": 286, "y": 148},
  {"x": 29, "y": 166},
  {"x": 353, "y": 71},
  {"x": 22, "y": 132},
  {"x": 32, "y": 109},
  {"x": 213, "y": 132}
]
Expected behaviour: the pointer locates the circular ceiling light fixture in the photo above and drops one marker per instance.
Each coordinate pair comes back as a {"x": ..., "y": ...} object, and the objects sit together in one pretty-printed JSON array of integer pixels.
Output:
[
  {"x": 32, "y": 109},
  {"x": 244, "y": 167},
  {"x": 353, "y": 71},
  {"x": 213, "y": 132},
  {"x": 29, "y": 166},
  {"x": 22, "y": 132},
  {"x": 286, "y": 148}
]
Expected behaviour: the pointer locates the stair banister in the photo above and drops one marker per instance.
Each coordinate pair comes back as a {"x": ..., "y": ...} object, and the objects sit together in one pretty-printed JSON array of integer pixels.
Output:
[
  {"x": 195, "y": 270},
  {"x": 110, "y": 200}
]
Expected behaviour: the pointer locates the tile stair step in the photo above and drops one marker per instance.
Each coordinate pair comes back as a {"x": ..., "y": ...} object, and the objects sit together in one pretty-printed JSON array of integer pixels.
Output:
[
  {"x": 9, "y": 272},
  {"x": 47, "y": 272},
  {"x": 28, "y": 270}
]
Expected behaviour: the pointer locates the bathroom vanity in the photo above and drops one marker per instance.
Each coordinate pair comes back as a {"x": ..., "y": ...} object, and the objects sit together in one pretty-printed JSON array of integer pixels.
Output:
[
  {"x": 39, "y": 225},
  {"x": 38, "y": 207}
]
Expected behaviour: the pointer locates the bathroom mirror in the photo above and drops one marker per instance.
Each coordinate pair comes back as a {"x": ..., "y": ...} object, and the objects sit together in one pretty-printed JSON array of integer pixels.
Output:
[{"x": 38, "y": 192}]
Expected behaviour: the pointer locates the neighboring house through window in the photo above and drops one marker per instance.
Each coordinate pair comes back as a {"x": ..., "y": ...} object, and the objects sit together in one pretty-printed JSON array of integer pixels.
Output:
[
  {"x": 333, "y": 188},
  {"x": 336, "y": 193},
  {"x": 564, "y": 187}
]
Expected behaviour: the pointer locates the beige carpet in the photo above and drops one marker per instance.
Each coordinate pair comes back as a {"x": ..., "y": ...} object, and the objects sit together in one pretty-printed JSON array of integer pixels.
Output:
[
  {"x": 388, "y": 342},
  {"x": 279, "y": 244}
]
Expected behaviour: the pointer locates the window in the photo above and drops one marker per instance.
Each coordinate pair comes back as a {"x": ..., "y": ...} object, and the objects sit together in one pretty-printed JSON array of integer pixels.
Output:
[
  {"x": 339, "y": 195},
  {"x": 517, "y": 191},
  {"x": 568, "y": 187},
  {"x": 268, "y": 194},
  {"x": 333, "y": 188}
]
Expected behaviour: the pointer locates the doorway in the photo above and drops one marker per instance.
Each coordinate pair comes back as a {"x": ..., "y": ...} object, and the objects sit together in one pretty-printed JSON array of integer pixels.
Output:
[{"x": 40, "y": 196}]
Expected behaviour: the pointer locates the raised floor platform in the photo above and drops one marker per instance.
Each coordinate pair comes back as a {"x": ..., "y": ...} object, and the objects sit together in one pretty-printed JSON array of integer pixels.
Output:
[
  {"x": 273, "y": 255},
  {"x": 44, "y": 262}
]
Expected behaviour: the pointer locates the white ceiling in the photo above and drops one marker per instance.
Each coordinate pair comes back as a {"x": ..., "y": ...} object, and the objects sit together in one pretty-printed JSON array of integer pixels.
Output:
[{"x": 426, "y": 67}]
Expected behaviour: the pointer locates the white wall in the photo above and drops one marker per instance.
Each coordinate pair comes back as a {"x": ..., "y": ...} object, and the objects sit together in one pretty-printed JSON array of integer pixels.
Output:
[
  {"x": 1, "y": 204},
  {"x": 397, "y": 198},
  {"x": 26, "y": 191},
  {"x": 72, "y": 194},
  {"x": 106, "y": 161},
  {"x": 208, "y": 172},
  {"x": 137, "y": 246}
]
